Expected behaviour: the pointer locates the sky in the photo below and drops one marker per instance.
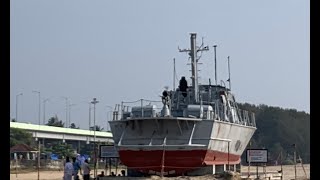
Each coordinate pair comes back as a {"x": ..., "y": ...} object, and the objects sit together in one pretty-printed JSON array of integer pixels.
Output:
[{"x": 123, "y": 51}]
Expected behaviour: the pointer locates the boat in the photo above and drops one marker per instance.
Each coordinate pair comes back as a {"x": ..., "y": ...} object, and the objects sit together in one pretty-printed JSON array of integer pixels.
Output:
[{"x": 195, "y": 126}]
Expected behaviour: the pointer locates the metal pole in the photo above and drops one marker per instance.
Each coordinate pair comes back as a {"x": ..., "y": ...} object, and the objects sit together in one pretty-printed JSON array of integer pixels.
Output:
[
  {"x": 70, "y": 113},
  {"x": 163, "y": 156},
  {"x": 38, "y": 159},
  {"x": 281, "y": 165},
  {"x": 108, "y": 116},
  {"x": 17, "y": 106},
  {"x": 174, "y": 74},
  {"x": 215, "y": 64},
  {"x": 295, "y": 162},
  {"x": 228, "y": 156},
  {"x": 69, "y": 121},
  {"x": 229, "y": 73},
  {"x": 44, "y": 110},
  {"x": 89, "y": 116},
  {"x": 66, "y": 125},
  {"x": 94, "y": 102},
  {"x": 249, "y": 159},
  {"x": 39, "y": 103}
]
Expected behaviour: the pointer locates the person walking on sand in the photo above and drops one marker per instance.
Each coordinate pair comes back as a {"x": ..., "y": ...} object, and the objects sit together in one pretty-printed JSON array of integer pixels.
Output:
[
  {"x": 76, "y": 168},
  {"x": 68, "y": 170},
  {"x": 86, "y": 170}
]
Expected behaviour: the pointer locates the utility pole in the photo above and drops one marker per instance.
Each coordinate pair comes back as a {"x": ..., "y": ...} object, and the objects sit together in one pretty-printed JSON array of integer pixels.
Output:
[
  {"x": 39, "y": 103},
  {"x": 94, "y": 102},
  {"x": 295, "y": 161},
  {"x": 67, "y": 102},
  {"x": 70, "y": 114},
  {"x": 44, "y": 110}
]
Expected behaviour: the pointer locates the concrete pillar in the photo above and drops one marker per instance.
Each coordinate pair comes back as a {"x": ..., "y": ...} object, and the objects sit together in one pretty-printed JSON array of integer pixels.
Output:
[
  {"x": 224, "y": 167},
  {"x": 28, "y": 156},
  {"x": 214, "y": 169},
  {"x": 78, "y": 147}
]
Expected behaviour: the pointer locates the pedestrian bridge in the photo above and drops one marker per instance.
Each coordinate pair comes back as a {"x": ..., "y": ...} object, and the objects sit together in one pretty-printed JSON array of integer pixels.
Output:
[{"x": 65, "y": 134}]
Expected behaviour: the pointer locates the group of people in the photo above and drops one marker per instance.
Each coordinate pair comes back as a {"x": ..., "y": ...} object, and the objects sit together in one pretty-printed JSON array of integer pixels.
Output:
[{"x": 72, "y": 169}]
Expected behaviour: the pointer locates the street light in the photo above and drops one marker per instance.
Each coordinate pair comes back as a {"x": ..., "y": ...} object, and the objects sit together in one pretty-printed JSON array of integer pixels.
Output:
[
  {"x": 39, "y": 103},
  {"x": 70, "y": 113},
  {"x": 44, "y": 110},
  {"x": 17, "y": 105},
  {"x": 67, "y": 102},
  {"x": 94, "y": 102}
]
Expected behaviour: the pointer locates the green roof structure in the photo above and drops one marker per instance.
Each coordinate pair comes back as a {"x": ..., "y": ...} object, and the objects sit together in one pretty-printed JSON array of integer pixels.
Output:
[{"x": 45, "y": 128}]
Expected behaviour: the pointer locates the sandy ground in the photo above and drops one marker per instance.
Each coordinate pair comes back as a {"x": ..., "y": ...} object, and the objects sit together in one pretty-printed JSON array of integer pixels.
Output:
[{"x": 288, "y": 173}]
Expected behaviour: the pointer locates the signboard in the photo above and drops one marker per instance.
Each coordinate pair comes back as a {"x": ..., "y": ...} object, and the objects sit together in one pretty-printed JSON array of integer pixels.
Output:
[
  {"x": 257, "y": 155},
  {"x": 108, "y": 151}
]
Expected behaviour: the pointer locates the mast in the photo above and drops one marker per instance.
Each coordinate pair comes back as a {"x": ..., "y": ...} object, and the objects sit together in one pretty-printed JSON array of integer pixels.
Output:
[
  {"x": 229, "y": 80},
  {"x": 215, "y": 64},
  {"x": 194, "y": 69}
]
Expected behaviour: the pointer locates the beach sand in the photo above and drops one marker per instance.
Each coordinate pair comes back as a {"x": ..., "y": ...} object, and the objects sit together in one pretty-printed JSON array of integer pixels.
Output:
[{"x": 288, "y": 173}]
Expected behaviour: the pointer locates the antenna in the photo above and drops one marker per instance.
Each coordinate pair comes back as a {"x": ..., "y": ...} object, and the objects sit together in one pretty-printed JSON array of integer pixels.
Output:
[
  {"x": 215, "y": 64},
  {"x": 229, "y": 80}
]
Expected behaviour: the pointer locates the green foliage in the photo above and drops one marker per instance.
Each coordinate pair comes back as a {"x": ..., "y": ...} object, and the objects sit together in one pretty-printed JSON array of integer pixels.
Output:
[
  {"x": 73, "y": 126},
  {"x": 61, "y": 149},
  {"x": 278, "y": 129},
  {"x": 20, "y": 136},
  {"x": 54, "y": 121},
  {"x": 98, "y": 128}
]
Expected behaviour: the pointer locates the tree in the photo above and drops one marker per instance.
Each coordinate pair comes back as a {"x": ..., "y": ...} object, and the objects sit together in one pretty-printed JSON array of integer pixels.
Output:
[
  {"x": 73, "y": 126},
  {"x": 278, "y": 129},
  {"x": 54, "y": 121},
  {"x": 97, "y": 128},
  {"x": 62, "y": 149},
  {"x": 20, "y": 136}
]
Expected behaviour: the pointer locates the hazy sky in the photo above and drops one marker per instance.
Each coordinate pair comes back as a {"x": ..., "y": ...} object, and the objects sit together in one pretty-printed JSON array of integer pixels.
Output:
[{"x": 123, "y": 51}]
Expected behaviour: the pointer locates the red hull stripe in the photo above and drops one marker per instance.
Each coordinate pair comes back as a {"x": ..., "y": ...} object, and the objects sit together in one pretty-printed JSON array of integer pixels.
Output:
[{"x": 179, "y": 160}]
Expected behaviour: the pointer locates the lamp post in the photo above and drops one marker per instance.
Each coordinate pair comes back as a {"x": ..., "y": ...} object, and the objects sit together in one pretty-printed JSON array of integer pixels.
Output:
[
  {"x": 44, "y": 110},
  {"x": 17, "y": 105},
  {"x": 94, "y": 102},
  {"x": 67, "y": 102},
  {"x": 70, "y": 113},
  {"x": 39, "y": 103},
  {"x": 108, "y": 115}
]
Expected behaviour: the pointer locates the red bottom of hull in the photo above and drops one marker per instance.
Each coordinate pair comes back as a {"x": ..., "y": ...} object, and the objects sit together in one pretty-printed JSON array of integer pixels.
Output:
[{"x": 174, "y": 162}]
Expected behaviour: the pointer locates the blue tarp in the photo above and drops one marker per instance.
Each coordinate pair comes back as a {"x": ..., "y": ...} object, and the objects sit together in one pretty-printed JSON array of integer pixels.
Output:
[{"x": 54, "y": 157}]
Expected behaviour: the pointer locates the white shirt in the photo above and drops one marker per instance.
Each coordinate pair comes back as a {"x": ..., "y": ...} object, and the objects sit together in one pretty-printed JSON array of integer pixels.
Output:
[
  {"x": 86, "y": 168},
  {"x": 68, "y": 168}
]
